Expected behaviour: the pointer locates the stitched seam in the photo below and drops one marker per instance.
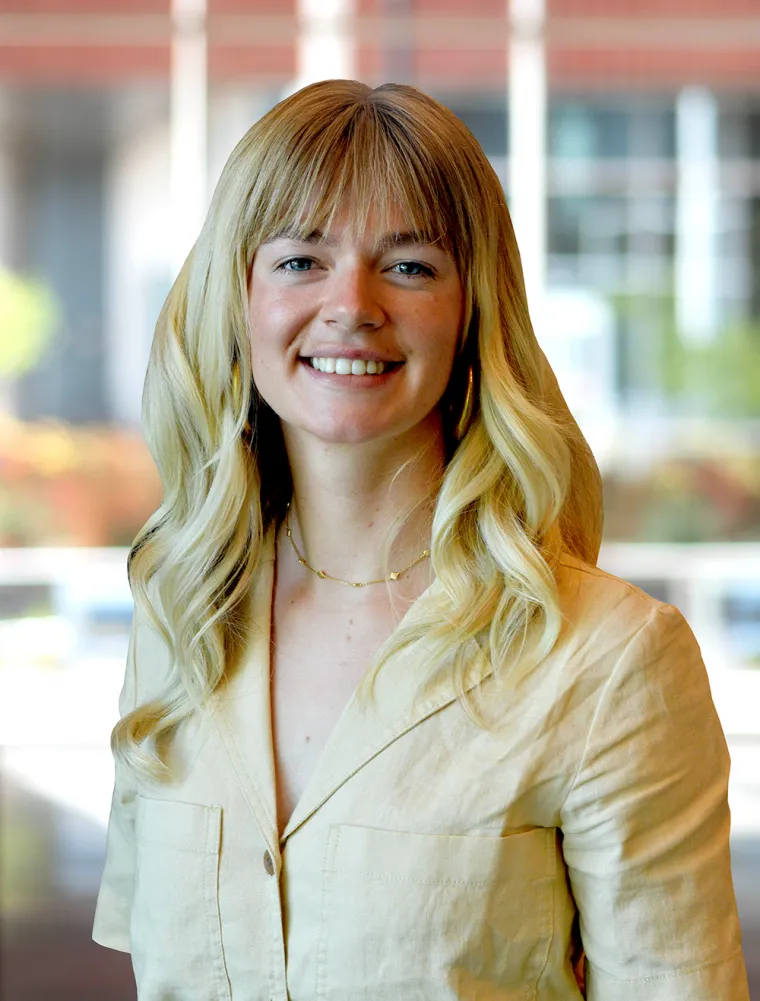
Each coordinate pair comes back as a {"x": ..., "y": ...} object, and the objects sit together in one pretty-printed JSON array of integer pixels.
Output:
[
  {"x": 551, "y": 851},
  {"x": 678, "y": 973},
  {"x": 598, "y": 572},
  {"x": 208, "y": 809},
  {"x": 213, "y": 922},
  {"x": 179, "y": 848},
  {"x": 391, "y": 877},
  {"x": 609, "y": 683},
  {"x": 388, "y": 738},
  {"x": 322, "y": 942},
  {"x": 245, "y": 780}
]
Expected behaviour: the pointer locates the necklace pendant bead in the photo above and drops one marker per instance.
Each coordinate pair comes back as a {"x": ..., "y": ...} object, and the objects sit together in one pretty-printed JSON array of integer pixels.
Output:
[{"x": 349, "y": 583}]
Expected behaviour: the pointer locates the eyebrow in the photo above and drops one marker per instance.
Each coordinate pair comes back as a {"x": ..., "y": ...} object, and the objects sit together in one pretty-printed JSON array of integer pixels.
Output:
[{"x": 387, "y": 242}]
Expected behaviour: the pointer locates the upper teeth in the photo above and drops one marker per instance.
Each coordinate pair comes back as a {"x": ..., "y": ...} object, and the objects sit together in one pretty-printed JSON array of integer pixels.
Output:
[{"x": 348, "y": 366}]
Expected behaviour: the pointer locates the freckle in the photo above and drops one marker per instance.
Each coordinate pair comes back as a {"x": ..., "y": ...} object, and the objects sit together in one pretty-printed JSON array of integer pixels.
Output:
[
  {"x": 350, "y": 622},
  {"x": 308, "y": 738}
]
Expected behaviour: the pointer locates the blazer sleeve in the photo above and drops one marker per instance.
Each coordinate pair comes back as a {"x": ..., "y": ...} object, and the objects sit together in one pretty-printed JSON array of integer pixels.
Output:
[
  {"x": 114, "y": 903},
  {"x": 646, "y": 830}
]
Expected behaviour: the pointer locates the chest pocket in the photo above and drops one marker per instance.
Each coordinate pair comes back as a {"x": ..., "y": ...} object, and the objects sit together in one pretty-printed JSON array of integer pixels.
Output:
[
  {"x": 434, "y": 916},
  {"x": 175, "y": 928}
]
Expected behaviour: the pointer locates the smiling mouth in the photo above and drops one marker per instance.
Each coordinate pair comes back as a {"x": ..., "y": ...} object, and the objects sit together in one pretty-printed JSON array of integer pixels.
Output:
[{"x": 351, "y": 366}]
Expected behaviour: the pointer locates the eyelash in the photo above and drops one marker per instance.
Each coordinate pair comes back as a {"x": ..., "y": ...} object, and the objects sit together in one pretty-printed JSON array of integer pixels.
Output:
[{"x": 425, "y": 270}]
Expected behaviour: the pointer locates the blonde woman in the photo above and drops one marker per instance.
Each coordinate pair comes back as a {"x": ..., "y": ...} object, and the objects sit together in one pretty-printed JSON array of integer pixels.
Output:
[{"x": 387, "y": 732}]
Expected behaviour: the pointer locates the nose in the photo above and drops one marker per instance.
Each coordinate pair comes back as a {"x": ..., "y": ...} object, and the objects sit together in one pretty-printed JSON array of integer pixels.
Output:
[{"x": 352, "y": 300}]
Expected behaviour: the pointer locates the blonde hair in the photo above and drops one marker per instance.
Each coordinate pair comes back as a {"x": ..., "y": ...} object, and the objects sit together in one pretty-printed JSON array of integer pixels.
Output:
[{"x": 518, "y": 488}]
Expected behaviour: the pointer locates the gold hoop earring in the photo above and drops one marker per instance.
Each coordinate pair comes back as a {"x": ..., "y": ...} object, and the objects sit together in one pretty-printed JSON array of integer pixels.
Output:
[{"x": 463, "y": 423}]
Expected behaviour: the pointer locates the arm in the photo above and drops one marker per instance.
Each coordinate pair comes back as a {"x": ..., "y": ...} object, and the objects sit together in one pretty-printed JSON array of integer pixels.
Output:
[
  {"x": 112, "y": 912},
  {"x": 646, "y": 830}
]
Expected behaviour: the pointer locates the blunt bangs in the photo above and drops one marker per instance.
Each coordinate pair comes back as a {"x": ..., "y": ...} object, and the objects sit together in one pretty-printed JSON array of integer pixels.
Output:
[{"x": 370, "y": 154}]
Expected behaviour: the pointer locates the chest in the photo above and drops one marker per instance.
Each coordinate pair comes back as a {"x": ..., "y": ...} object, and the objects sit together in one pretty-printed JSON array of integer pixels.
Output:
[{"x": 317, "y": 661}]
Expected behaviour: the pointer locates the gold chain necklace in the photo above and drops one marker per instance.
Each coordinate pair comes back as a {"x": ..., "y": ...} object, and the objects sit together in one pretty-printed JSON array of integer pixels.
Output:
[{"x": 348, "y": 583}]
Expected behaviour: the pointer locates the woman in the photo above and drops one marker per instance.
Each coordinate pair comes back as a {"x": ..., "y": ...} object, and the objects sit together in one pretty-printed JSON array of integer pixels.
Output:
[{"x": 386, "y": 730}]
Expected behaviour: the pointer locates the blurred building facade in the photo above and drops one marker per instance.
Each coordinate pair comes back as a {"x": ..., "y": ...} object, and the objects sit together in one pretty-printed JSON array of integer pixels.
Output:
[
  {"x": 647, "y": 194},
  {"x": 652, "y": 137}
]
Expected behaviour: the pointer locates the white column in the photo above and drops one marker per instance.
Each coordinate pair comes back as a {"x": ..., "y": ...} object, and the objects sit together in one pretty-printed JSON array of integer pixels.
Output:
[
  {"x": 326, "y": 49},
  {"x": 138, "y": 254},
  {"x": 189, "y": 117},
  {"x": 527, "y": 152},
  {"x": 696, "y": 214},
  {"x": 232, "y": 111}
]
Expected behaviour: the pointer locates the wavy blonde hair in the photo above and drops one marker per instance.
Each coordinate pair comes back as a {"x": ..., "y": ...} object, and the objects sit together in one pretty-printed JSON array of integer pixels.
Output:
[{"x": 520, "y": 487}]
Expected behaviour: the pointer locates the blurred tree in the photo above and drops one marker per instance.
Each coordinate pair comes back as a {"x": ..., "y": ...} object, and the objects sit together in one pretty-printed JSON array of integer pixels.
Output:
[
  {"x": 29, "y": 314},
  {"x": 720, "y": 378}
]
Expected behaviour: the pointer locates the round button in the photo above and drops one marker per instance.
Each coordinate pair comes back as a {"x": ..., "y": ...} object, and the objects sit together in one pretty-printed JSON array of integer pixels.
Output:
[{"x": 268, "y": 864}]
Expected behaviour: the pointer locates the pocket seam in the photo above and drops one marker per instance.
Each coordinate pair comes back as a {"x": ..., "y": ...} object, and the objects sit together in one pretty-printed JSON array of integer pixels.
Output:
[
  {"x": 327, "y": 873},
  {"x": 550, "y": 911},
  {"x": 331, "y": 872},
  {"x": 472, "y": 842},
  {"x": 432, "y": 881},
  {"x": 143, "y": 803},
  {"x": 213, "y": 912},
  {"x": 208, "y": 858},
  {"x": 177, "y": 848}
]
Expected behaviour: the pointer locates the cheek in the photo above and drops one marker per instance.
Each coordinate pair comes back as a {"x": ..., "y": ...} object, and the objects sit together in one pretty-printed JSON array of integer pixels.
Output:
[
  {"x": 272, "y": 315},
  {"x": 444, "y": 325}
]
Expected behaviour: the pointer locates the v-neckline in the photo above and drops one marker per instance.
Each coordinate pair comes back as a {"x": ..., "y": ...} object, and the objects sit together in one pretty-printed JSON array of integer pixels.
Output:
[{"x": 269, "y": 710}]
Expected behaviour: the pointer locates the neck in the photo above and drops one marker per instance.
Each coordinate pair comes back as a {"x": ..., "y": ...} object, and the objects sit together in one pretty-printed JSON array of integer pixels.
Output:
[{"x": 346, "y": 502}]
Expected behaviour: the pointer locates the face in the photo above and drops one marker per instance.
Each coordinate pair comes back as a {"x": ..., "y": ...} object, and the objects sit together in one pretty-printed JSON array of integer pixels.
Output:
[{"x": 353, "y": 340}]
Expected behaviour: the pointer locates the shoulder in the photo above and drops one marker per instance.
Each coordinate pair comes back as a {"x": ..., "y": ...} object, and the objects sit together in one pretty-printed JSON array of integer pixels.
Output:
[
  {"x": 581, "y": 581},
  {"x": 645, "y": 820},
  {"x": 618, "y": 647},
  {"x": 638, "y": 655},
  {"x": 611, "y": 610}
]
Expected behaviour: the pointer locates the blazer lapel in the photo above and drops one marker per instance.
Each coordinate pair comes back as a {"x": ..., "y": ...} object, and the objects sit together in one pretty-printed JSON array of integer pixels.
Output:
[
  {"x": 242, "y": 712},
  {"x": 365, "y": 729},
  {"x": 241, "y": 708}
]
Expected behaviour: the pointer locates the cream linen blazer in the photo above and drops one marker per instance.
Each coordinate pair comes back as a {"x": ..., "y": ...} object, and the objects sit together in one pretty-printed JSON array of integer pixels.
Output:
[{"x": 428, "y": 860}]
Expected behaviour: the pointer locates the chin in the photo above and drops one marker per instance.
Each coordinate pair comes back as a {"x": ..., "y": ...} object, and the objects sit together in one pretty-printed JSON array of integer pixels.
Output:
[
  {"x": 355, "y": 429},
  {"x": 351, "y": 434}
]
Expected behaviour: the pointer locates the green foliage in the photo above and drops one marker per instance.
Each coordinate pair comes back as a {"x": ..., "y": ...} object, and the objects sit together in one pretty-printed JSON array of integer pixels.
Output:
[
  {"x": 721, "y": 377},
  {"x": 29, "y": 314},
  {"x": 718, "y": 378}
]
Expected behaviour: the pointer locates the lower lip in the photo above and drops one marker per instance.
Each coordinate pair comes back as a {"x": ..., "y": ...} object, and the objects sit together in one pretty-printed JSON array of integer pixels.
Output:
[{"x": 351, "y": 381}]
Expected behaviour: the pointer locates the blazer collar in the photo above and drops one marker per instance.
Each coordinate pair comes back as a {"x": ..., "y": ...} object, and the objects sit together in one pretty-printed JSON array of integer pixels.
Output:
[{"x": 241, "y": 709}]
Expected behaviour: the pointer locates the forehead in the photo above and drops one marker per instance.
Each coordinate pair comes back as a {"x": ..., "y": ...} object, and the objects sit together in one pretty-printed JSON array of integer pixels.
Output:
[
  {"x": 332, "y": 217},
  {"x": 378, "y": 240}
]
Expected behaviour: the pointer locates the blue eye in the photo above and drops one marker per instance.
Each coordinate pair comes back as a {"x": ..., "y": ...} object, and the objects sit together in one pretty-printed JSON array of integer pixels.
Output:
[
  {"x": 297, "y": 263},
  {"x": 414, "y": 269}
]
